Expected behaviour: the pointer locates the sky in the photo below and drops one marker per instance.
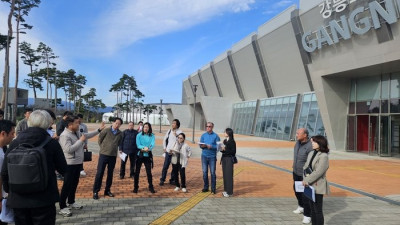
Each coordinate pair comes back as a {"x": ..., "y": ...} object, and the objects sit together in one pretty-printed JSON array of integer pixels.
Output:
[{"x": 159, "y": 42}]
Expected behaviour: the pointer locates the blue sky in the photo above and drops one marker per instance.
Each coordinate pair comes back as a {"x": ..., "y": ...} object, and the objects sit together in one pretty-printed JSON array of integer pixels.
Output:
[{"x": 159, "y": 42}]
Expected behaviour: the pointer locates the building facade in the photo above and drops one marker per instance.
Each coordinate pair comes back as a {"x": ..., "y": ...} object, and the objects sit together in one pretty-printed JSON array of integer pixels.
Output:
[{"x": 332, "y": 66}]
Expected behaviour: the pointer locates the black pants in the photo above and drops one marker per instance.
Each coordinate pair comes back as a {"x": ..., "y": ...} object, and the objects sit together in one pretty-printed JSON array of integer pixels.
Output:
[
  {"x": 147, "y": 165},
  {"x": 132, "y": 159},
  {"x": 35, "y": 216},
  {"x": 176, "y": 170},
  {"x": 317, "y": 215},
  {"x": 71, "y": 181},
  {"x": 227, "y": 172},
  {"x": 104, "y": 160},
  {"x": 302, "y": 200},
  {"x": 167, "y": 162}
]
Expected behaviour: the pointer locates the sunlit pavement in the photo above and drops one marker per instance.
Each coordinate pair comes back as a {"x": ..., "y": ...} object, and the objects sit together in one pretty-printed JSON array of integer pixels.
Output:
[{"x": 365, "y": 189}]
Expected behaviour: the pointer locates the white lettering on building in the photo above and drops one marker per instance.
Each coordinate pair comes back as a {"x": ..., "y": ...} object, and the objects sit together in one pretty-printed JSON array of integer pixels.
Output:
[{"x": 356, "y": 22}]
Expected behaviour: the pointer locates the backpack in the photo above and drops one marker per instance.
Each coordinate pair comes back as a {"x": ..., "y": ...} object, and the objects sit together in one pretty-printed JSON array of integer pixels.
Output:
[{"x": 27, "y": 168}]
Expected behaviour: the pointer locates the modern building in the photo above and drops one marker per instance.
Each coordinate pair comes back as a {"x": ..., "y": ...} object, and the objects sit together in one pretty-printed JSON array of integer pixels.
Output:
[{"x": 332, "y": 66}]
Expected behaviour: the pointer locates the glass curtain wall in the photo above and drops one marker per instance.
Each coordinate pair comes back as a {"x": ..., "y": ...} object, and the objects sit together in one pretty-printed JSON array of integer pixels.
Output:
[
  {"x": 374, "y": 115},
  {"x": 275, "y": 117},
  {"x": 310, "y": 116},
  {"x": 243, "y": 116}
]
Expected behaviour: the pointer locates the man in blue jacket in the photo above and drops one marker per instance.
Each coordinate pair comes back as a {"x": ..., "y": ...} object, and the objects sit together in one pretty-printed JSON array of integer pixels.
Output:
[
  {"x": 208, "y": 143},
  {"x": 128, "y": 146}
]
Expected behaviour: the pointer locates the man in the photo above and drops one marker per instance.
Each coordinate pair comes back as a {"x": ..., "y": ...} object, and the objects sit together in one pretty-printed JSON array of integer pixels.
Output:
[
  {"x": 109, "y": 140},
  {"x": 37, "y": 207},
  {"x": 140, "y": 126},
  {"x": 168, "y": 143},
  {"x": 23, "y": 124},
  {"x": 72, "y": 142},
  {"x": 83, "y": 129},
  {"x": 62, "y": 124},
  {"x": 301, "y": 149},
  {"x": 7, "y": 133},
  {"x": 208, "y": 144},
  {"x": 128, "y": 146}
]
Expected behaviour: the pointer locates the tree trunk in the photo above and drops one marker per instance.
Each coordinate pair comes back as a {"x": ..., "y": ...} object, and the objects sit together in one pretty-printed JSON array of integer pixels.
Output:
[
  {"x": 33, "y": 81},
  {"x": 6, "y": 76},
  {"x": 14, "y": 108}
]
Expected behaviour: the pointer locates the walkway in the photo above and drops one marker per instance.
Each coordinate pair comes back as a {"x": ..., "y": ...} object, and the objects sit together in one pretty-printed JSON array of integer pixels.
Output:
[{"x": 263, "y": 191}]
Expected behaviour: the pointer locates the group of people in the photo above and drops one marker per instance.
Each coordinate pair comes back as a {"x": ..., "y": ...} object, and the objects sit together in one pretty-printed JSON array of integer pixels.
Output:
[{"x": 64, "y": 155}]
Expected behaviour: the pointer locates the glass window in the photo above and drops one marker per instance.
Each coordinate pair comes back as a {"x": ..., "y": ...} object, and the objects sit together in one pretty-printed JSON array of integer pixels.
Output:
[
  {"x": 368, "y": 88},
  {"x": 395, "y": 85},
  {"x": 353, "y": 91},
  {"x": 385, "y": 86}
]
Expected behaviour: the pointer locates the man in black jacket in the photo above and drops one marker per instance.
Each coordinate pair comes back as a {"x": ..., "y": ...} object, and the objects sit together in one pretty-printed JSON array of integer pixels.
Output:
[
  {"x": 38, "y": 207},
  {"x": 128, "y": 146}
]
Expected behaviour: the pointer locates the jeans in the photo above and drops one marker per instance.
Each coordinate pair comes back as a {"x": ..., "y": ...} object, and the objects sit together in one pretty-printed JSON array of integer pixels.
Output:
[
  {"x": 104, "y": 160},
  {"x": 302, "y": 200},
  {"x": 317, "y": 215},
  {"x": 167, "y": 162},
  {"x": 207, "y": 161},
  {"x": 71, "y": 181}
]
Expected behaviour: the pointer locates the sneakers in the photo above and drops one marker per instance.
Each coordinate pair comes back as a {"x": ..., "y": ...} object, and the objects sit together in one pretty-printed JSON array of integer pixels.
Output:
[
  {"x": 83, "y": 173},
  {"x": 184, "y": 190},
  {"x": 75, "y": 206},
  {"x": 176, "y": 189},
  {"x": 299, "y": 210},
  {"x": 65, "y": 212},
  {"x": 225, "y": 194},
  {"x": 306, "y": 220}
]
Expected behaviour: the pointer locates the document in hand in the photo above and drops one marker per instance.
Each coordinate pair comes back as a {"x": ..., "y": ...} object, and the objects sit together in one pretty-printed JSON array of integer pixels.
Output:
[
  {"x": 123, "y": 156},
  {"x": 299, "y": 186},
  {"x": 220, "y": 145},
  {"x": 309, "y": 192}
]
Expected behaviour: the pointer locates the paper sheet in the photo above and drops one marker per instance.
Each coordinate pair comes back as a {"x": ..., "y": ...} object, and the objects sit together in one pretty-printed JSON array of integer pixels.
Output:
[
  {"x": 299, "y": 186},
  {"x": 123, "y": 156}
]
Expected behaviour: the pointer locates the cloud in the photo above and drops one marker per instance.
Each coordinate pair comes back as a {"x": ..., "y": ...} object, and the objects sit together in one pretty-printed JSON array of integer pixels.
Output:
[{"x": 130, "y": 21}]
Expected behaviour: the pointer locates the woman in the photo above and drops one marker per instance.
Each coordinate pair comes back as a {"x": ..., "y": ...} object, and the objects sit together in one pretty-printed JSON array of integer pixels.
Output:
[
  {"x": 179, "y": 161},
  {"x": 228, "y": 153},
  {"x": 318, "y": 160},
  {"x": 145, "y": 142}
]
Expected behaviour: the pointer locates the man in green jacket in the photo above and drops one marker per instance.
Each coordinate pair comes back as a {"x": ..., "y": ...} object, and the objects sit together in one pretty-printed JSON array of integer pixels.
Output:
[{"x": 109, "y": 140}]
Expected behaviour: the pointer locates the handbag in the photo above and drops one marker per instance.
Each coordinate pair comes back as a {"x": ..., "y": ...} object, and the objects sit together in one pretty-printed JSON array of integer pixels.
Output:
[
  {"x": 7, "y": 214},
  {"x": 87, "y": 156},
  {"x": 234, "y": 160}
]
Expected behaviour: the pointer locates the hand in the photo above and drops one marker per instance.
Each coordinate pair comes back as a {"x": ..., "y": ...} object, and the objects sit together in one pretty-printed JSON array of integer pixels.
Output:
[
  {"x": 222, "y": 148},
  {"x": 305, "y": 184},
  {"x": 102, "y": 126},
  {"x": 209, "y": 146},
  {"x": 203, "y": 146},
  {"x": 82, "y": 138},
  {"x": 120, "y": 151},
  {"x": 165, "y": 150}
]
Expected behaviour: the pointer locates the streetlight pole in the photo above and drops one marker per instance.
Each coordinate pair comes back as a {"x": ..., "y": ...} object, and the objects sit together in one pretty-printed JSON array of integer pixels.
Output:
[
  {"x": 194, "y": 109},
  {"x": 161, "y": 111}
]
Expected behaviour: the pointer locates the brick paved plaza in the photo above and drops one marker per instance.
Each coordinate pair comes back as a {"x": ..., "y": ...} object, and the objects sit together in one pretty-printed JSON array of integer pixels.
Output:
[{"x": 262, "y": 190}]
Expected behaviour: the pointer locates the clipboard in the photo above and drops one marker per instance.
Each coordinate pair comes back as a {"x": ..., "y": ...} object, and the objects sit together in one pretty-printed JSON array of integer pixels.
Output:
[{"x": 309, "y": 192}]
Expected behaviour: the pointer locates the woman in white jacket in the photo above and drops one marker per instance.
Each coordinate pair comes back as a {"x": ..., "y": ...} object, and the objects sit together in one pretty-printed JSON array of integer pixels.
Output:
[{"x": 181, "y": 152}]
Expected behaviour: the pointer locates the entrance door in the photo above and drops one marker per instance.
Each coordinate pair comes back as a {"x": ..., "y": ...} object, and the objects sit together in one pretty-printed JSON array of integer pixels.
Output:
[
  {"x": 395, "y": 135},
  {"x": 385, "y": 136},
  {"x": 373, "y": 135}
]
